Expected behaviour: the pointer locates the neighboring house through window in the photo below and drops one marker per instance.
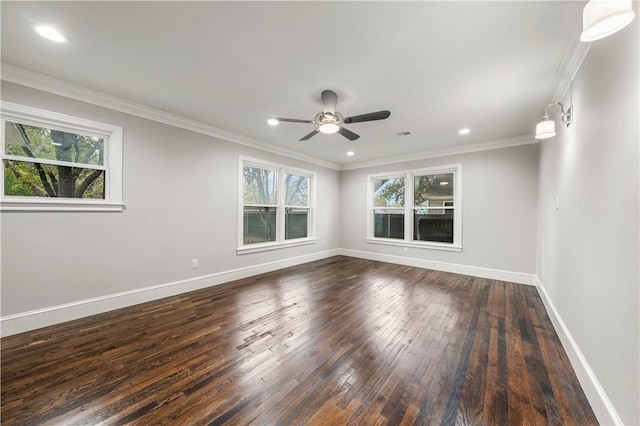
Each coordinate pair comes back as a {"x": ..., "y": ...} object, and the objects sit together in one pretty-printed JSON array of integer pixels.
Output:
[
  {"x": 52, "y": 161},
  {"x": 276, "y": 206},
  {"x": 420, "y": 208}
]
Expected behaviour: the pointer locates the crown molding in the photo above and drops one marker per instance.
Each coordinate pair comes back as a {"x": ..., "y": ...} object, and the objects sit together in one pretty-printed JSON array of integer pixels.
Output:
[
  {"x": 572, "y": 60},
  {"x": 482, "y": 146},
  {"x": 45, "y": 83}
]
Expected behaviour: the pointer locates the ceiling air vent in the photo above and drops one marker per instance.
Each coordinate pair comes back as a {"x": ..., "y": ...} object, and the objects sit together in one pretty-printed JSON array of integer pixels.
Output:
[{"x": 405, "y": 133}]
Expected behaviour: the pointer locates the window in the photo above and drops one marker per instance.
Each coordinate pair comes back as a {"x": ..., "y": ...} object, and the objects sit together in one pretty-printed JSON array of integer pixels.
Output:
[
  {"x": 418, "y": 208},
  {"x": 276, "y": 206},
  {"x": 52, "y": 161},
  {"x": 388, "y": 207}
]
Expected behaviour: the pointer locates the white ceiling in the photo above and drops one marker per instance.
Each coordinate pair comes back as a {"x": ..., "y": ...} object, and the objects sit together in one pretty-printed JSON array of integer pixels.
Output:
[{"x": 437, "y": 66}]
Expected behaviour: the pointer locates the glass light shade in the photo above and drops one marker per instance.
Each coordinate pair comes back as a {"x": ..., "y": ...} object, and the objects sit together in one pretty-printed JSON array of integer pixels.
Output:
[
  {"x": 273, "y": 121},
  {"x": 329, "y": 128},
  {"x": 546, "y": 129},
  {"x": 601, "y": 18}
]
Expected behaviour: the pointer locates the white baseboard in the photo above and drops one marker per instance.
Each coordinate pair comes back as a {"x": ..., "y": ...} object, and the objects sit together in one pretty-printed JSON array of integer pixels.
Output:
[
  {"x": 475, "y": 271},
  {"x": 31, "y": 320},
  {"x": 600, "y": 403}
]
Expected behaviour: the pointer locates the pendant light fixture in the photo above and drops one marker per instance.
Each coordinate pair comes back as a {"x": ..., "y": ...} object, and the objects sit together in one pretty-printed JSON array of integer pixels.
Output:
[{"x": 601, "y": 18}]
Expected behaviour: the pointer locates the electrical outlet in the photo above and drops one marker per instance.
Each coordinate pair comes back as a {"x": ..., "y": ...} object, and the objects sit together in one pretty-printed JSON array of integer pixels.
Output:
[{"x": 194, "y": 263}]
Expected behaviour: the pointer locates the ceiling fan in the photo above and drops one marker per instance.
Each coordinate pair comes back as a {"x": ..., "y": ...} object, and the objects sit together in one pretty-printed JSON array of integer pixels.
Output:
[{"x": 331, "y": 121}]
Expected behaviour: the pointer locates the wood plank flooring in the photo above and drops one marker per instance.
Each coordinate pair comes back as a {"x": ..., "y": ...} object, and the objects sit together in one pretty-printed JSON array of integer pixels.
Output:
[{"x": 334, "y": 342}]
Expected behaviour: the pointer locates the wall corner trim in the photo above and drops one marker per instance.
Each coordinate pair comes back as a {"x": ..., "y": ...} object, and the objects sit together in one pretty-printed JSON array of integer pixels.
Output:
[
  {"x": 574, "y": 55},
  {"x": 31, "y": 320},
  {"x": 600, "y": 403}
]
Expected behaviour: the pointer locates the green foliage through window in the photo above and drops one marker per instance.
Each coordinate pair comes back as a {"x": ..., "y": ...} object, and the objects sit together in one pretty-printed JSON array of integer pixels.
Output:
[
  {"x": 43, "y": 162},
  {"x": 389, "y": 192},
  {"x": 416, "y": 206}
]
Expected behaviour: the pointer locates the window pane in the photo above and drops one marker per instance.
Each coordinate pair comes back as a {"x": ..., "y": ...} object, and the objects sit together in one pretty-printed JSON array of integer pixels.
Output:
[
  {"x": 39, "y": 142},
  {"x": 433, "y": 225},
  {"x": 295, "y": 223},
  {"x": 259, "y": 185},
  {"x": 388, "y": 223},
  {"x": 26, "y": 179},
  {"x": 388, "y": 192},
  {"x": 296, "y": 190},
  {"x": 259, "y": 225},
  {"x": 433, "y": 190}
]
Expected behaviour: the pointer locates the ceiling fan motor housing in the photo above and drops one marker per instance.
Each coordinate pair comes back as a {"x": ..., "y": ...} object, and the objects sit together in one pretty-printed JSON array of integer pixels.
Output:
[{"x": 328, "y": 117}]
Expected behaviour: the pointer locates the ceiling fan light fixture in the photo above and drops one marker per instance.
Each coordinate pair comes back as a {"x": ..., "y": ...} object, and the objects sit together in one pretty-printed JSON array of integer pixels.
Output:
[
  {"x": 329, "y": 121},
  {"x": 329, "y": 128}
]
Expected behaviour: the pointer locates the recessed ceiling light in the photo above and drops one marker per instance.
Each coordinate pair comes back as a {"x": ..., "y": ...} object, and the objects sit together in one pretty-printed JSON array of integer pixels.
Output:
[
  {"x": 273, "y": 121},
  {"x": 50, "y": 33},
  {"x": 464, "y": 131},
  {"x": 351, "y": 153}
]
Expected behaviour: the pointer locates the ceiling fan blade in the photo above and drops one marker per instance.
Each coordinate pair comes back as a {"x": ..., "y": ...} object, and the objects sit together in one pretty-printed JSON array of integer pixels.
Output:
[
  {"x": 292, "y": 120},
  {"x": 372, "y": 116},
  {"x": 348, "y": 134},
  {"x": 329, "y": 101},
  {"x": 310, "y": 135}
]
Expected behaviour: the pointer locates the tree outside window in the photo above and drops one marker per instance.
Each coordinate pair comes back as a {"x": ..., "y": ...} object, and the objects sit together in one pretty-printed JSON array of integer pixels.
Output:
[
  {"x": 388, "y": 213},
  {"x": 420, "y": 206},
  {"x": 276, "y": 204},
  {"x": 296, "y": 222},
  {"x": 260, "y": 208},
  {"x": 56, "y": 162},
  {"x": 43, "y": 162}
]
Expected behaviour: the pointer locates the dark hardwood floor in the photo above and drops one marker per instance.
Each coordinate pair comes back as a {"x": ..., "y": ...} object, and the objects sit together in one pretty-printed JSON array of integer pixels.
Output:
[{"x": 338, "y": 341}]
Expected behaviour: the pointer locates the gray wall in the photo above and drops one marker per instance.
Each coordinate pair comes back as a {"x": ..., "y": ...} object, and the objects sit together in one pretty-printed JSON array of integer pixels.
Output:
[
  {"x": 181, "y": 192},
  {"x": 588, "y": 251},
  {"x": 499, "y": 192}
]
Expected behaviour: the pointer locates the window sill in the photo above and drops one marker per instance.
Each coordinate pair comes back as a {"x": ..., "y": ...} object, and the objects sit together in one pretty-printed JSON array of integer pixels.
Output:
[
  {"x": 274, "y": 246},
  {"x": 50, "y": 205},
  {"x": 414, "y": 244}
]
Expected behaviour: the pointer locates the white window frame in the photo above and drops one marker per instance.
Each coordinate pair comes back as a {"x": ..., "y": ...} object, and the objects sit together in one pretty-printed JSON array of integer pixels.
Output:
[
  {"x": 112, "y": 136},
  {"x": 280, "y": 206},
  {"x": 409, "y": 176}
]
